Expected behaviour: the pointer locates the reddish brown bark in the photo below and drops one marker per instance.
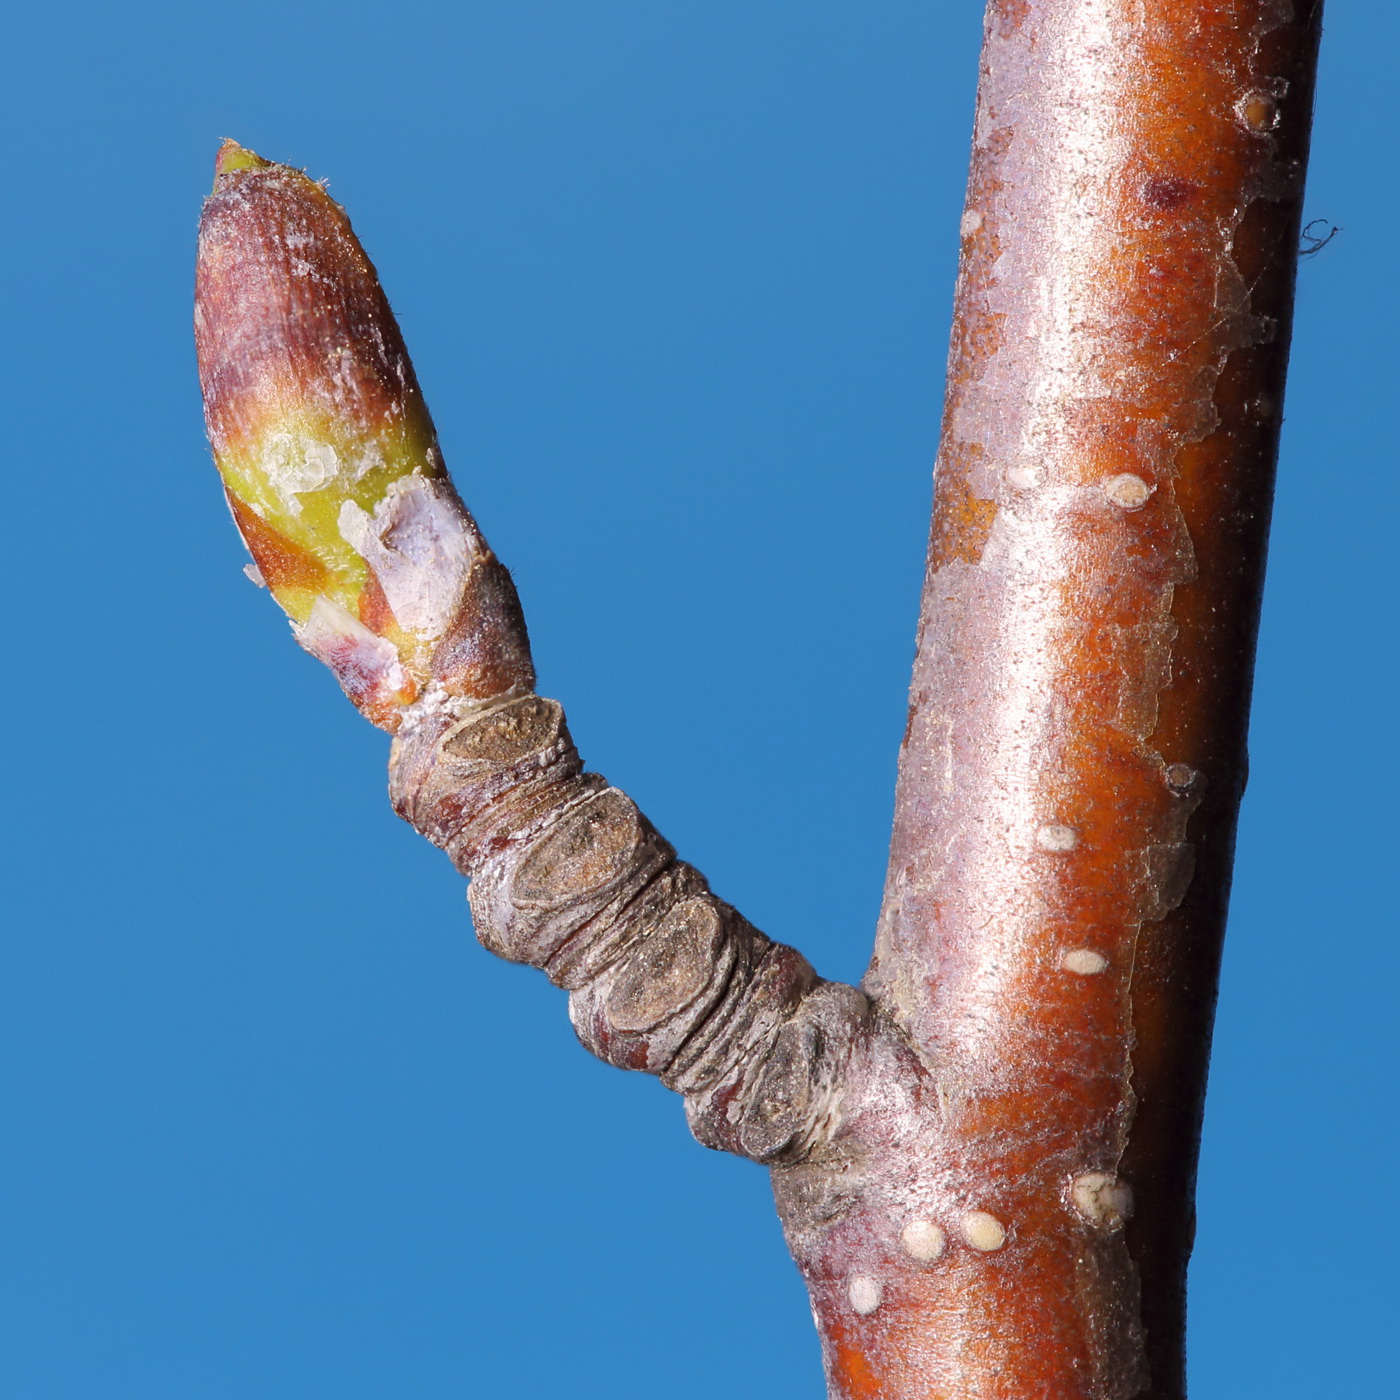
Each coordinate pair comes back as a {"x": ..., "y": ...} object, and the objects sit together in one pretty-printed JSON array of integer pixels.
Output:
[{"x": 1075, "y": 751}]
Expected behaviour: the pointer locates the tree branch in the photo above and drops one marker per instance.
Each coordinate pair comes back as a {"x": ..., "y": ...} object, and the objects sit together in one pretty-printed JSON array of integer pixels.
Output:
[
  {"x": 984, "y": 1160},
  {"x": 1075, "y": 752},
  {"x": 335, "y": 479}
]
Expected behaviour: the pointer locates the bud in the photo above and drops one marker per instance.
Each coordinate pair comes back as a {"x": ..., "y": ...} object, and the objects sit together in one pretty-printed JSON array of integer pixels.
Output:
[{"x": 329, "y": 457}]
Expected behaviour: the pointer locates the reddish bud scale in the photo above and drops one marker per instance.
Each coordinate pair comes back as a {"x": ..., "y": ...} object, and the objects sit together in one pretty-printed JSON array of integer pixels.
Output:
[{"x": 329, "y": 456}]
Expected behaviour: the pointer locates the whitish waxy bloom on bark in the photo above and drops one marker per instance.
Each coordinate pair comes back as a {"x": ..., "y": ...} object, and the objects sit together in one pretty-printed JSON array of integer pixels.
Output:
[{"x": 328, "y": 454}]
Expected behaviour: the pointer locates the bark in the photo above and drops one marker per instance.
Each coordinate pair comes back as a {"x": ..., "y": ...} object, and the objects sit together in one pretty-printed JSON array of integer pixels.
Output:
[
  {"x": 1075, "y": 756},
  {"x": 983, "y": 1159}
]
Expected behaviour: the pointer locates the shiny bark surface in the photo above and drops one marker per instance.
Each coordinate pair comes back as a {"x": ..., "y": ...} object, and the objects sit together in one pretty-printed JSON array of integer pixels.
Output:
[{"x": 1074, "y": 758}]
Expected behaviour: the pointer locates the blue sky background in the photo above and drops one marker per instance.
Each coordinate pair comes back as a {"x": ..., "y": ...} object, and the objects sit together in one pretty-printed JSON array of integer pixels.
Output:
[{"x": 676, "y": 275}]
